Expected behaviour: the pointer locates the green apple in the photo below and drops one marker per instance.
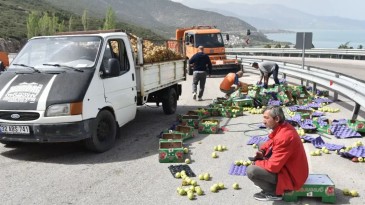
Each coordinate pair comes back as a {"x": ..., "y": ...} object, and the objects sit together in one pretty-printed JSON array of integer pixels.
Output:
[
  {"x": 354, "y": 193},
  {"x": 219, "y": 148},
  {"x": 191, "y": 195},
  {"x": 224, "y": 148},
  {"x": 318, "y": 152},
  {"x": 214, "y": 155},
  {"x": 254, "y": 146},
  {"x": 182, "y": 192},
  {"x": 221, "y": 185},
  {"x": 206, "y": 176},
  {"x": 238, "y": 163},
  {"x": 248, "y": 162},
  {"x": 196, "y": 188},
  {"x": 199, "y": 192},
  {"x": 360, "y": 159},
  {"x": 213, "y": 189},
  {"x": 201, "y": 176},
  {"x": 215, "y": 148},
  {"x": 346, "y": 192},
  {"x": 187, "y": 161},
  {"x": 178, "y": 175},
  {"x": 193, "y": 182},
  {"x": 326, "y": 151},
  {"x": 186, "y": 150},
  {"x": 236, "y": 186},
  {"x": 313, "y": 153}
]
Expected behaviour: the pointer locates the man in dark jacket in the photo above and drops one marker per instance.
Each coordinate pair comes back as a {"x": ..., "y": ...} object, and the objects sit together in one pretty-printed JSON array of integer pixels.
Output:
[{"x": 200, "y": 63}]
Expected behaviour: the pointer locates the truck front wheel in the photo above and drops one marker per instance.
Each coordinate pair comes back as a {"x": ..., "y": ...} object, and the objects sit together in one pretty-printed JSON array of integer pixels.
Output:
[
  {"x": 169, "y": 101},
  {"x": 104, "y": 132}
]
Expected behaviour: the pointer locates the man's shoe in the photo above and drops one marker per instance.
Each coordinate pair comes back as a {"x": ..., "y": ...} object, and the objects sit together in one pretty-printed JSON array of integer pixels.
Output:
[
  {"x": 262, "y": 196},
  {"x": 200, "y": 99},
  {"x": 194, "y": 96}
]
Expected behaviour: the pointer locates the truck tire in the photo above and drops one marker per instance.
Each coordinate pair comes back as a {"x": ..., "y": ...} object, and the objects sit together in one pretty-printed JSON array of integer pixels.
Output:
[
  {"x": 169, "y": 101},
  {"x": 103, "y": 134}
]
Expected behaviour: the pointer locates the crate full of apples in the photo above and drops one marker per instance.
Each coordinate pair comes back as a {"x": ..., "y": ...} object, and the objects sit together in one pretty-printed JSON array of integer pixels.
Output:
[{"x": 208, "y": 126}]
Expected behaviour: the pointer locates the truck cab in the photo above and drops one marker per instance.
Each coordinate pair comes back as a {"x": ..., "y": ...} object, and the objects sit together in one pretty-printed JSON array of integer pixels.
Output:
[{"x": 212, "y": 40}]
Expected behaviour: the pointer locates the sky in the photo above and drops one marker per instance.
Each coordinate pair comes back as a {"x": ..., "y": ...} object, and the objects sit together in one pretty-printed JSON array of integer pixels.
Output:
[{"x": 353, "y": 9}]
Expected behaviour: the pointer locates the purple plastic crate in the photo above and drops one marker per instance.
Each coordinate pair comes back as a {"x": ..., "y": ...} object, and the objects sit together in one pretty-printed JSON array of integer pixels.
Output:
[
  {"x": 237, "y": 170},
  {"x": 308, "y": 138},
  {"x": 354, "y": 152},
  {"x": 322, "y": 100},
  {"x": 274, "y": 102},
  {"x": 319, "y": 143},
  {"x": 342, "y": 131},
  {"x": 317, "y": 114}
]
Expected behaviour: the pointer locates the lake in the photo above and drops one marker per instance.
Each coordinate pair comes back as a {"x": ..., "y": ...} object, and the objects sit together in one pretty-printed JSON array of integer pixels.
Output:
[{"x": 325, "y": 38}]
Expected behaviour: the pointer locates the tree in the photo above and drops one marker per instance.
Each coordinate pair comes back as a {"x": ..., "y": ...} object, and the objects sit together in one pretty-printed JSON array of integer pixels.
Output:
[
  {"x": 267, "y": 46},
  {"x": 84, "y": 20},
  {"x": 32, "y": 24},
  {"x": 360, "y": 47},
  {"x": 344, "y": 46},
  {"x": 70, "y": 22},
  {"x": 278, "y": 45},
  {"x": 110, "y": 21}
]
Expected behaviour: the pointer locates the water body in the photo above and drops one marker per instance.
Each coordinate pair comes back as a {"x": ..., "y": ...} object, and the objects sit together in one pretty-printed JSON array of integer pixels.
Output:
[{"x": 325, "y": 38}]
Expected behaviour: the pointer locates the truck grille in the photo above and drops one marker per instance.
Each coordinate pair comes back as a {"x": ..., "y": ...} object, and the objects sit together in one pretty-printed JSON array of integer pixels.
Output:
[{"x": 19, "y": 116}]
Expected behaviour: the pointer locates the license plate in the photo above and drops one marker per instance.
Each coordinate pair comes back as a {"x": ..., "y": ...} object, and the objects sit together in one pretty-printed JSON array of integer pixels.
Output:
[{"x": 14, "y": 129}]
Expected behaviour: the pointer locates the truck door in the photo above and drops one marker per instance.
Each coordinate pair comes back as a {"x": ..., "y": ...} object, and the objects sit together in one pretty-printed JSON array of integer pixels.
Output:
[
  {"x": 120, "y": 91},
  {"x": 190, "y": 45}
]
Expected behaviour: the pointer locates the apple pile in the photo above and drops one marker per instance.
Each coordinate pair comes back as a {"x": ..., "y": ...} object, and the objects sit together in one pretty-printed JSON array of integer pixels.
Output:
[
  {"x": 329, "y": 109},
  {"x": 216, "y": 187},
  {"x": 220, "y": 148},
  {"x": 256, "y": 110},
  {"x": 204, "y": 176},
  {"x": 301, "y": 132},
  {"x": 242, "y": 162},
  {"x": 352, "y": 193},
  {"x": 316, "y": 153}
]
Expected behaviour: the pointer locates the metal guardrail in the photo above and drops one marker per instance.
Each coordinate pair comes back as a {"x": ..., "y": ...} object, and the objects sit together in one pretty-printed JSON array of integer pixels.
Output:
[
  {"x": 347, "y": 86},
  {"x": 358, "y": 54}
]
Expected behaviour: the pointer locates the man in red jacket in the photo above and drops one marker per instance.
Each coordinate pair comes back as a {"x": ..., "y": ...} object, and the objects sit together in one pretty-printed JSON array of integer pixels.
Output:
[{"x": 281, "y": 162}]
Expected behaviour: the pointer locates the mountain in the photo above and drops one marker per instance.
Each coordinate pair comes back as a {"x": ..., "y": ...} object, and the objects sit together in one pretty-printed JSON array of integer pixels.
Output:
[
  {"x": 161, "y": 16},
  {"x": 273, "y": 16}
]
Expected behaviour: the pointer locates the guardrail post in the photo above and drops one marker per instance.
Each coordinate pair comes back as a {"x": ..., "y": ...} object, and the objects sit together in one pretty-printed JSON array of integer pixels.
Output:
[
  {"x": 314, "y": 90},
  {"x": 355, "y": 111}
]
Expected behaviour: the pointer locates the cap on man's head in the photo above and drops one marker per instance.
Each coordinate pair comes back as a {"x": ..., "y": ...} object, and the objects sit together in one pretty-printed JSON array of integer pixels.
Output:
[{"x": 201, "y": 48}]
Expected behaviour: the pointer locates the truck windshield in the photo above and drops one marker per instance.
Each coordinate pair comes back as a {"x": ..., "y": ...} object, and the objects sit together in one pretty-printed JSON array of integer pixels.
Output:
[
  {"x": 211, "y": 40},
  {"x": 72, "y": 51}
]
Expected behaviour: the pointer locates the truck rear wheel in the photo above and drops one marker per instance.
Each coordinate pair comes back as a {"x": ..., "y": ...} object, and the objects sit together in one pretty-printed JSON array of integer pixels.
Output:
[
  {"x": 169, "y": 101},
  {"x": 104, "y": 132}
]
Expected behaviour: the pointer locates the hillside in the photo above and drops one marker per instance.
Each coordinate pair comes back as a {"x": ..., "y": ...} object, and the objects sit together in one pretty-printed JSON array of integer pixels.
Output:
[
  {"x": 14, "y": 13},
  {"x": 161, "y": 16}
]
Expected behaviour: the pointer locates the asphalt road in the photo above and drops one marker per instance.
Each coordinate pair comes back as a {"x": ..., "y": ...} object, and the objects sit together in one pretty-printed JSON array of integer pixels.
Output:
[{"x": 130, "y": 173}]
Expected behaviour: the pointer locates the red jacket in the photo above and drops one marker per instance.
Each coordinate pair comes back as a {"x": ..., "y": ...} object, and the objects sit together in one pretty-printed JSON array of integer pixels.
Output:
[{"x": 288, "y": 159}]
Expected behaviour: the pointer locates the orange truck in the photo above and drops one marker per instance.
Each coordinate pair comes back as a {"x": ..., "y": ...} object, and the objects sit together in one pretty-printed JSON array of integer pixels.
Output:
[
  {"x": 190, "y": 38},
  {"x": 4, "y": 60}
]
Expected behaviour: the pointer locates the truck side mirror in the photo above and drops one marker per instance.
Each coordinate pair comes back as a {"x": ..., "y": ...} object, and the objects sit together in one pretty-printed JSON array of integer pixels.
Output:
[
  {"x": 227, "y": 37},
  {"x": 113, "y": 68}
]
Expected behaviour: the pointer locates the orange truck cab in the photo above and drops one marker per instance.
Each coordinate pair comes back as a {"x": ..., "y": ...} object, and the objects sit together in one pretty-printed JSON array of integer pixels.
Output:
[
  {"x": 4, "y": 60},
  {"x": 212, "y": 40}
]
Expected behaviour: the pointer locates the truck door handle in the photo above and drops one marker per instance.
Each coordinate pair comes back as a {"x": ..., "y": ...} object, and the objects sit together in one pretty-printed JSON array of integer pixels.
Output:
[{"x": 133, "y": 76}]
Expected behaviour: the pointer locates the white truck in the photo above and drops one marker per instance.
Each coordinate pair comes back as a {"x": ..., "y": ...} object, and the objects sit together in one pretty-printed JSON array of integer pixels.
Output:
[{"x": 81, "y": 86}]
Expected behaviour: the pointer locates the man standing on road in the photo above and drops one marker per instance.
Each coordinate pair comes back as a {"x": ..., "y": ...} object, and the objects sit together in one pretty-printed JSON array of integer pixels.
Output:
[
  {"x": 266, "y": 70},
  {"x": 230, "y": 83},
  {"x": 200, "y": 62},
  {"x": 281, "y": 163}
]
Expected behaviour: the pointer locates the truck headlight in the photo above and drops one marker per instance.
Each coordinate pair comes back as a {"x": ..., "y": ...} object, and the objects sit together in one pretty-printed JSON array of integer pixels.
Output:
[{"x": 64, "y": 109}]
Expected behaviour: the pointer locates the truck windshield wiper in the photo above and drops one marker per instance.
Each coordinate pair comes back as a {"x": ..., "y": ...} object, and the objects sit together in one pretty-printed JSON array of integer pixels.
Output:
[
  {"x": 27, "y": 66},
  {"x": 63, "y": 66}
]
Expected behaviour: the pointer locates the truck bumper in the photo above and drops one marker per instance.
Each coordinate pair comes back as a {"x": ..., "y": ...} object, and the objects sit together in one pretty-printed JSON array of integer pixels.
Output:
[{"x": 61, "y": 132}]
